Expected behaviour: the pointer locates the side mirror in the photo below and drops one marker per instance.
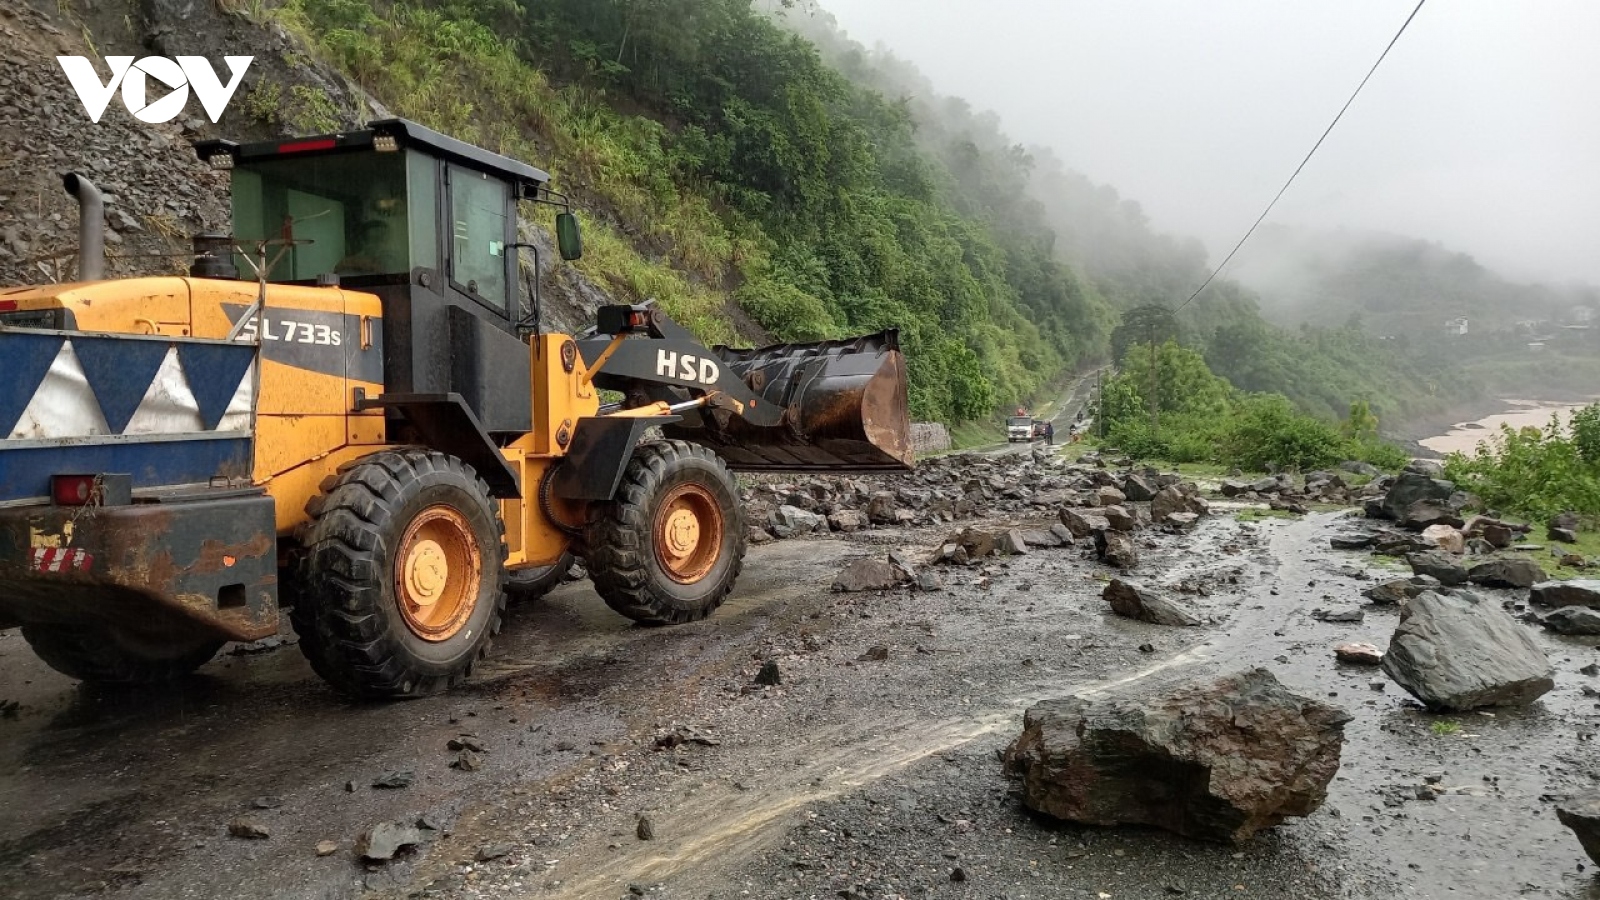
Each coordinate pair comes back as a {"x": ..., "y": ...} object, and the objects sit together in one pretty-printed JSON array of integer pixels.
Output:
[{"x": 568, "y": 238}]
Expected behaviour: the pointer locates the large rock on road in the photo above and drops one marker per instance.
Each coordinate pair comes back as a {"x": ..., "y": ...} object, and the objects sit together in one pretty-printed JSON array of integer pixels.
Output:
[
  {"x": 1135, "y": 602},
  {"x": 1409, "y": 488},
  {"x": 1582, "y": 815},
  {"x": 1577, "y": 592},
  {"x": 1573, "y": 620},
  {"x": 1461, "y": 651},
  {"x": 1515, "y": 572},
  {"x": 1216, "y": 758}
]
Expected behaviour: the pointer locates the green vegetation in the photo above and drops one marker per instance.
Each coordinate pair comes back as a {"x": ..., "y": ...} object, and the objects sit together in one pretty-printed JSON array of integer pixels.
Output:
[
  {"x": 731, "y": 167},
  {"x": 976, "y": 433},
  {"x": 1196, "y": 416},
  {"x": 1537, "y": 472},
  {"x": 1445, "y": 727},
  {"x": 762, "y": 176}
]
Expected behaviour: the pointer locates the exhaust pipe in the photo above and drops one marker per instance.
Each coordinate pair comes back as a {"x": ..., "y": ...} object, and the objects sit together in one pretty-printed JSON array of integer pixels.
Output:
[{"x": 91, "y": 226}]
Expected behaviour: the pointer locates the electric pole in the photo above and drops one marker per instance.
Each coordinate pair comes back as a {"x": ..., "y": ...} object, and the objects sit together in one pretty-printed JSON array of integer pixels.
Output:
[{"x": 1155, "y": 384}]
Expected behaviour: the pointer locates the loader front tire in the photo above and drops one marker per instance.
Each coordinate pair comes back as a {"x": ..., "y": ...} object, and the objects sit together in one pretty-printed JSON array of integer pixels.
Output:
[
  {"x": 402, "y": 582},
  {"x": 98, "y": 655},
  {"x": 668, "y": 548}
]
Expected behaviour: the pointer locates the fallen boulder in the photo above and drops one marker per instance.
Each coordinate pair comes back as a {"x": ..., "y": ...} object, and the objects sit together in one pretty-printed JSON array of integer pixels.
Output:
[
  {"x": 1573, "y": 620},
  {"x": 788, "y": 521},
  {"x": 1461, "y": 651},
  {"x": 1446, "y": 538},
  {"x": 1358, "y": 653},
  {"x": 1119, "y": 519},
  {"x": 1082, "y": 524},
  {"x": 870, "y": 575},
  {"x": 1232, "y": 487},
  {"x": 1563, "y": 528},
  {"x": 1507, "y": 573},
  {"x": 1175, "y": 499},
  {"x": 847, "y": 520},
  {"x": 1440, "y": 565},
  {"x": 1011, "y": 542},
  {"x": 881, "y": 509},
  {"x": 1399, "y": 591},
  {"x": 1498, "y": 534},
  {"x": 1181, "y": 520},
  {"x": 1577, "y": 592},
  {"x": 1408, "y": 489},
  {"x": 1216, "y": 759},
  {"x": 1425, "y": 514},
  {"x": 1138, "y": 489},
  {"x": 1356, "y": 541},
  {"x": 386, "y": 840},
  {"x": 977, "y": 542},
  {"x": 1133, "y": 601},
  {"x": 1348, "y": 614},
  {"x": 1109, "y": 496},
  {"x": 1116, "y": 548},
  {"x": 1582, "y": 815},
  {"x": 1039, "y": 537}
]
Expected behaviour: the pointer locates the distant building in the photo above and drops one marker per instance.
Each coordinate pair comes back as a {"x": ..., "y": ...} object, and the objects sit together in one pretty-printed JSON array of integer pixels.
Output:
[
  {"x": 1456, "y": 326},
  {"x": 1582, "y": 315}
]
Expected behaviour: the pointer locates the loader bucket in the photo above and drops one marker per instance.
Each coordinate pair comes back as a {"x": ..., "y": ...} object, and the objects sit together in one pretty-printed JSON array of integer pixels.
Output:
[{"x": 844, "y": 408}]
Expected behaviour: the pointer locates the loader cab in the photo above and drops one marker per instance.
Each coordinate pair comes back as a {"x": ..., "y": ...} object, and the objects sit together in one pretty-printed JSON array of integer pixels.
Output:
[{"x": 425, "y": 222}]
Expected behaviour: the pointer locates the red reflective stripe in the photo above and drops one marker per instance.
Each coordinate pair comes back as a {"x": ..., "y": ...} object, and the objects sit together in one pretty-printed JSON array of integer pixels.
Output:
[
  {"x": 7, "y": 305},
  {"x": 50, "y": 559},
  {"x": 302, "y": 146}
]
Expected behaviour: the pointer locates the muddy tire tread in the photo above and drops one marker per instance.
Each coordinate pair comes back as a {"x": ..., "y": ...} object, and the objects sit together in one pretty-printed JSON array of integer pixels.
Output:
[
  {"x": 618, "y": 537},
  {"x": 341, "y": 619},
  {"x": 91, "y": 654}
]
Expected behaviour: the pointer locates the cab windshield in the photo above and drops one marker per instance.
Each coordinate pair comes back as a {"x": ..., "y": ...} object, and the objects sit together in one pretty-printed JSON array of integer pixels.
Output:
[
  {"x": 1019, "y": 422},
  {"x": 346, "y": 214}
]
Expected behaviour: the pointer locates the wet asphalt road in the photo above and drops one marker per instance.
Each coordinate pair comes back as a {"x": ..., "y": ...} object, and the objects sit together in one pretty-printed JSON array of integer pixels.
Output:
[{"x": 856, "y": 774}]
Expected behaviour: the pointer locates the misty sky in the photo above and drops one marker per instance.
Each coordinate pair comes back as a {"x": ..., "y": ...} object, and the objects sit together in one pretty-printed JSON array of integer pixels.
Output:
[{"x": 1481, "y": 130}]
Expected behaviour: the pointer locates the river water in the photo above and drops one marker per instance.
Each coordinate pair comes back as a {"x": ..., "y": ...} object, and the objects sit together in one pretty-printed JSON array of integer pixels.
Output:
[{"x": 1465, "y": 436}]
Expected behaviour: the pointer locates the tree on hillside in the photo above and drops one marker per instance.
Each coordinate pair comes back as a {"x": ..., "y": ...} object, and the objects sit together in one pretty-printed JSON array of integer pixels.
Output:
[{"x": 1150, "y": 324}]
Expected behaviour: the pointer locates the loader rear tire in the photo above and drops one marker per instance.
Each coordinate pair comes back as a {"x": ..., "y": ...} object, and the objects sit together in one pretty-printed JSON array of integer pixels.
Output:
[
  {"x": 97, "y": 655},
  {"x": 403, "y": 575},
  {"x": 668, "y": 548}
]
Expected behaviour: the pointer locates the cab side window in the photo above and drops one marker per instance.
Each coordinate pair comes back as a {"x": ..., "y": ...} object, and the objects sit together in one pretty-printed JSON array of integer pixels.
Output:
[{"x": 478, "y": 236}]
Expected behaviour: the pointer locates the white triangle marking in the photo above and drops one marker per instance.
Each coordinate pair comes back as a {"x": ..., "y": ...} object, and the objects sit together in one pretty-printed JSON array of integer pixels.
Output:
[
  {"x": 168, "y": 406},
  {"x": 63, "y": 405}
]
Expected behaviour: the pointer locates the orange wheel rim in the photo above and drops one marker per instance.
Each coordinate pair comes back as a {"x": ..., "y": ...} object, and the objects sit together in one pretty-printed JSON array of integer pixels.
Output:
[
  {"x": 438, "y": 573},
  {"x": 688, "y": 533}
]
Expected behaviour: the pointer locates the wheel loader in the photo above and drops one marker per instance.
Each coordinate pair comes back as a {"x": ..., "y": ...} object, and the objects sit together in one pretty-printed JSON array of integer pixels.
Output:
[{"x": 349, "y": 408}]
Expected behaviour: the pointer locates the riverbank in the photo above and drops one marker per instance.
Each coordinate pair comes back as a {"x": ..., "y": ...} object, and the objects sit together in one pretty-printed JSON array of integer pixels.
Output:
[{"x": 1414, "y": 431}]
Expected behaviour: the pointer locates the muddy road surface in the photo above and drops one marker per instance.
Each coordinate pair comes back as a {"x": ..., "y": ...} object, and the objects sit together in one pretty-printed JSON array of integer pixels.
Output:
[{"x": 870, "y": 771}]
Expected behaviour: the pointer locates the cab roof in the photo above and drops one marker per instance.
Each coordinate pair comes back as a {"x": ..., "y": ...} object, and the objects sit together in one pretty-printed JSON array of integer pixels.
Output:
[{"x": 406, "y": 133}]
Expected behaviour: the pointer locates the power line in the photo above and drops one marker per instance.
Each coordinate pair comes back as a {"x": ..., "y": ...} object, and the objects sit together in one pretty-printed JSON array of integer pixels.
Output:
[{"x": 1218, "y": 270}]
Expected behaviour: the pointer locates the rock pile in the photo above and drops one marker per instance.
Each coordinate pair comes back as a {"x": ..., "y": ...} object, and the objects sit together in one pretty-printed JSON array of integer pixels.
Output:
[
  {"x": 1089, "y": 500},
  {"x": 1287, "y": 492},
  {"x": 1215, "y": 759}
]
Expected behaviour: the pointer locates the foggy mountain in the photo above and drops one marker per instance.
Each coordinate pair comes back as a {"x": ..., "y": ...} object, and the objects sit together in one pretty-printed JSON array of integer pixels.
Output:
[{"x": 1392, "y": 284}]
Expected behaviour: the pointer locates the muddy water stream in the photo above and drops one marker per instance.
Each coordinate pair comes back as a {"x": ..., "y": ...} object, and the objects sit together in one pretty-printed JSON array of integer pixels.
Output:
[
  {"x": 1493, "y": 833},
  {"x": 1464, "y": 437},
  {"x": 99, "y": 794}
]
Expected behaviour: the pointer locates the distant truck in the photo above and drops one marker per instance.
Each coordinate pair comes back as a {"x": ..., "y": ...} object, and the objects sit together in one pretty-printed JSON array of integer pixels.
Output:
[{"x": 1020, "y": 428}]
